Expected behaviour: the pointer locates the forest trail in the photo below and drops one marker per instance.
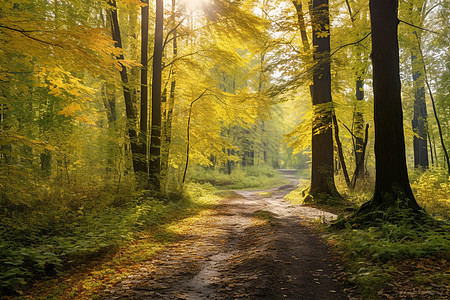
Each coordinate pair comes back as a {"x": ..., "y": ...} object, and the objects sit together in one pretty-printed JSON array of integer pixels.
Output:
[{"x": 251, "y": 246}]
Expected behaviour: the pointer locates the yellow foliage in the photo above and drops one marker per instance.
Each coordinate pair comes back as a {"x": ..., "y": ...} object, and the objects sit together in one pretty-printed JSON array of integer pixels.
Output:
[
  {"x": 432, "y": 192},
  {"x": 70, "y": 110}
]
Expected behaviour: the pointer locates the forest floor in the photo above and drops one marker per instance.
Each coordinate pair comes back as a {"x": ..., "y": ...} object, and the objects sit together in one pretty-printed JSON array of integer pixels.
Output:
[{"x": 253, "y": 245}]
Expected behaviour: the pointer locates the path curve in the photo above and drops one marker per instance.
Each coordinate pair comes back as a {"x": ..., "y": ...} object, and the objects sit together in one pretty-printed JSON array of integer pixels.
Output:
[{"x": 253, "y": 245}]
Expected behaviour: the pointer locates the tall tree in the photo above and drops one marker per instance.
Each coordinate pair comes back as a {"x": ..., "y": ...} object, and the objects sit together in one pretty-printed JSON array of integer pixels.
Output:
[
  {"x": 129, "y": 108},
  {"x": 155, "y": 141},
  {"x": 322, "y": 171},
  {"x": 171, "y": 103},
  {"x": 419, "y": 122},
  {"x": 143, "y": 167},
  {"x": 358, "y": 115},
  {"x": 392, "y": 189}
]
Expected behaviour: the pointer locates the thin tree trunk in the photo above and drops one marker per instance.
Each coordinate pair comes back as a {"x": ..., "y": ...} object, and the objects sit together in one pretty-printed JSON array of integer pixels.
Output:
[
  {"x": 188, "y": 136},
  {"x": 155, "y": 142},
  {"x": 434, "y": 150},
  {"x": 129, "y": 109},
  {"x": 431, "y": 147},
  {"x": 340, "y": 152},
  {"x": 301, "y": 24},
  {"x": 419, "y": 122},
  {"x": 360, "y": 163},
  {"x": 171, "y": 104},
  {"x": 420, "y": 118},
  {"x": 358, "y": 116},
  {"x": 434, "y": 106},
  {"x": 143, "y": 122}
]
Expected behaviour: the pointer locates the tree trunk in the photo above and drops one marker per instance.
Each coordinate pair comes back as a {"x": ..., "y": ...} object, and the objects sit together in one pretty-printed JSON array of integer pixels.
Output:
[
  {"x": 359, "y": 121},
  {"x": 447, "y": 159},
  {"x": 392, "y": 189},
  {"x": 419, "y": 122},
  {"x": 142, "y": 140},
  {"x": 341, "y": 153},
  {"x": 360, "y": 163},
  {"x": 358, "y": 115},
  {"x": 431, "y": 147},
  {"x": 322, "y": 172},
  {"x": 171, "y": 103},
  {"x": 155, "y": 142},
  {"x": 129, "y": 109},
  {"x": 301, "y": 24}
]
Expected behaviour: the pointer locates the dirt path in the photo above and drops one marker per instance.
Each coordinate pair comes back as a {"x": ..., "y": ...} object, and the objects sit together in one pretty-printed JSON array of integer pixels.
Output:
[{"x": 251, "y": 246}]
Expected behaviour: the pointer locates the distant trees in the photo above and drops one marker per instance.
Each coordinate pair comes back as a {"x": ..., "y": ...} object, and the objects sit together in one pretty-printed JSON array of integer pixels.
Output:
[{"x": 249, "y": 57}]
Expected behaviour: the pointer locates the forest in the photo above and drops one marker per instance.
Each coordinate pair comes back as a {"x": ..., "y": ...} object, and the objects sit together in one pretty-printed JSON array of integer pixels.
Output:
[{"x": 125, "y": 125}]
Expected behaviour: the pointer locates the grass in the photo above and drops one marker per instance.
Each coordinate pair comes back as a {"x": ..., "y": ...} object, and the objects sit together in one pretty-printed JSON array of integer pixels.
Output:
[{"x": 253, "y": 177}]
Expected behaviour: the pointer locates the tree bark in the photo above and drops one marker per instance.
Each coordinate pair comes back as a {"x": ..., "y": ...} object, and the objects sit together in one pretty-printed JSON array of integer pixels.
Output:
[
  {"x": 419, "y": 122},
  {"x": 171, "y": 103},
  {"x": 359, "y": 120},
  {"x": 129, "y": 109},
  {"x": 341, "y": 153},
  {"x": 447, "y": 159},
  {"x": 322, "y": 171},
  {"x": 360, "y": 163},
  {"x": 301, "y": 24},
  {"x": 392, "y": 189},
  {"x": 143, "y": 122},
  {"x": 358, "y": 115},
  {"x": 155, "y": 142}
]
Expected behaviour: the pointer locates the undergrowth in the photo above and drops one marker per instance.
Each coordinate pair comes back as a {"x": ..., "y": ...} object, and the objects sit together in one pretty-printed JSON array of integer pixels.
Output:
[
  {"x": 372, "y": 254},
  {"x": 375, "y": 255},
  {"x": 432, "y": 191},
  {"x": 240, "y": 178},
  {"x": 33, "y": 247}
]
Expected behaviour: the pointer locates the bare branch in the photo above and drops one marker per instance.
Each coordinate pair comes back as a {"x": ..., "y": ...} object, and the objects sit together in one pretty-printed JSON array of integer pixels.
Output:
[
  {"x": 418, "y": 27},
  {"x": 350, "y": 44}
]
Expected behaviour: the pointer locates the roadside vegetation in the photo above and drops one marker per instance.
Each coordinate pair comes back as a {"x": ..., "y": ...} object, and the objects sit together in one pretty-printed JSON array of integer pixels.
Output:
[
  {"x": 79, "y": 226},
  {"x": 405, "y": 259},
  {"x": 48, "y": 240}
]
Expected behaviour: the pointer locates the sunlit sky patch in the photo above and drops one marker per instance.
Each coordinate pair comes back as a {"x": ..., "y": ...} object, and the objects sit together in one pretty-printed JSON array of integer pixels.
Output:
[{"x": 194, "y": 4}]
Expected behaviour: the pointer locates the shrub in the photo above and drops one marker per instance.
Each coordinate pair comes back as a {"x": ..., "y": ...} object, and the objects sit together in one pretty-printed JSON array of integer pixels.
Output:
[{"x": 432, "y": 191}]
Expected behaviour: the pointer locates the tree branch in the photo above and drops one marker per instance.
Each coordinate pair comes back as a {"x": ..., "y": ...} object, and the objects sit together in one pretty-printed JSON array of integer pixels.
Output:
[
  {"x": 418, "y": 27},
  {"x": 354, "y": 43},
  {"x": 25, "y": 33}
]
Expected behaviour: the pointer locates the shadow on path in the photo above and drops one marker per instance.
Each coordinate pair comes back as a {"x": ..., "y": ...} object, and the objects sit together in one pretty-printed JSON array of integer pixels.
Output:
[{"x": 251, "y": 246}]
